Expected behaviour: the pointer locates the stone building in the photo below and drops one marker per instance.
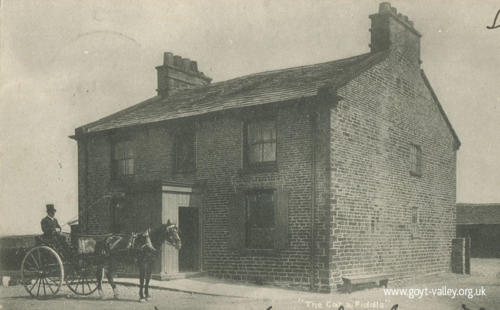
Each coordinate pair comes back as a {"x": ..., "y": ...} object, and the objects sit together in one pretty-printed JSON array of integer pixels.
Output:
[{"x": 294, "y": 177}]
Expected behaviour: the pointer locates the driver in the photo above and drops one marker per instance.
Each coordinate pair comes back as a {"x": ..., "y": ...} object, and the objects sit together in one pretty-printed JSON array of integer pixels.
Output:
[
  {"x": 51, "y": 229},
  {"x": 50, "y": 224}
]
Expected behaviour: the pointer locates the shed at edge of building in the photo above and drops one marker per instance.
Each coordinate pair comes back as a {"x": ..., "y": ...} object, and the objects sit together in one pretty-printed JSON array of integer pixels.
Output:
[{"x": 480, "y": 222}]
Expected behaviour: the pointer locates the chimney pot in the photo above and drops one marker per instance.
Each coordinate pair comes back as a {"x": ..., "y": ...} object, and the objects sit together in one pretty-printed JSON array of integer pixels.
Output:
[
  {"x": 194, "y": 66},
  {"x": 384, "y": 7},
  {"x": 168, "y": 58},
  {"x": 186, "y": 64},
  {"x": 177, "y": 61},
  {"x": 178, "y": 73}
]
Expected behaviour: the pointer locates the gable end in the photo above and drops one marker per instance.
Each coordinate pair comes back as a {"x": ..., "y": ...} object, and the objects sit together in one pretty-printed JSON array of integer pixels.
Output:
[{"x": 443, "y": 113}]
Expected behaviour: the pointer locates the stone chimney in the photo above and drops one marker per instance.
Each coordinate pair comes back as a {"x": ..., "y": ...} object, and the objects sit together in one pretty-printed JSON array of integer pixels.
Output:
[
  {"x": 178, "y": 73},
  {"x": 394, "y": 31}
]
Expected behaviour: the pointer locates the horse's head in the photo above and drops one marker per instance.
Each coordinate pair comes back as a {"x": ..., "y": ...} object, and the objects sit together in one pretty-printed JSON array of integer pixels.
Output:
[{"x": 171, "y": 234}]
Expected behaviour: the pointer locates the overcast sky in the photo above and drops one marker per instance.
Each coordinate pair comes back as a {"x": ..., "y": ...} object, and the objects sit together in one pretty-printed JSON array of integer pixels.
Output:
[{"x": 66, "y": 63}]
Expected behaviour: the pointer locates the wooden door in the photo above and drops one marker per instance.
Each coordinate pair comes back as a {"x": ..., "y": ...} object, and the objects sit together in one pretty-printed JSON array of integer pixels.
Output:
[{"x": 173, "y": 198}]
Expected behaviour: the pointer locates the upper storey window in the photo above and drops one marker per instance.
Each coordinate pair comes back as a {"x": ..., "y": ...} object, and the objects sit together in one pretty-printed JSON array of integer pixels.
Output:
[
  {"x": 185, "y": 150},
  {"x": 123, "y": 159},
  {"x": 260, "y": 142},
  {"x": 415, "y": 160}
]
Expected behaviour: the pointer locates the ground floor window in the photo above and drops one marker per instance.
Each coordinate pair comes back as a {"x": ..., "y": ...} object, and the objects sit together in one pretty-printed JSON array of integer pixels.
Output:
[
  {"x": 259, "y": 224},
  {"x": 258, "y": 219}
]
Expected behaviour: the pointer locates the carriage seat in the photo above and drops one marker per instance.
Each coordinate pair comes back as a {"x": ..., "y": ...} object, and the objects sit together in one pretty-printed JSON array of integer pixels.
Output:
[
  {"x": 56, "y": 243},
  {"x": 43, "y": 240}
]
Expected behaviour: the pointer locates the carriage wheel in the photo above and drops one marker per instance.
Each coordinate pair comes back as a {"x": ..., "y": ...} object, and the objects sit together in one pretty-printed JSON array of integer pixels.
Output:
[
  {"x": 82, "y": 279},
  {"x": 42, "y": 272}
]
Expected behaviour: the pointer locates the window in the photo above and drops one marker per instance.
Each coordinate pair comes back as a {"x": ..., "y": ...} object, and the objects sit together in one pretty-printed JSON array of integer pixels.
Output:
[
  {"x": 258, "y": 220},
  {"x": 259, "y": 216},
  {"x": 260, "y": 142},
  {"x": 415, "y": 160},
  {"x": 414, "y": 222},
  {"x": 123, "y": 159},
  {"x": 185, "y": 154}
]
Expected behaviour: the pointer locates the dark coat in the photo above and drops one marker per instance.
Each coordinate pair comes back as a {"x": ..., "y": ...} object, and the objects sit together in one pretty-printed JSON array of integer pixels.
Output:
[{"x": 49, "y": 226}]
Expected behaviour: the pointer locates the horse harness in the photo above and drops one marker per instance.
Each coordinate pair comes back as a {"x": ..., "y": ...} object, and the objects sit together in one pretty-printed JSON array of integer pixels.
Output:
[
  {"x": 146, "y": 236},
  {"x": 112, "y": 242}
]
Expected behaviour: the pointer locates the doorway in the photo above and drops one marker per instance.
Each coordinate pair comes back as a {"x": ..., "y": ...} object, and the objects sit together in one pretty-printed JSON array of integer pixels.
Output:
[
  {"x": 183, "y": 207},
  {"x": 189, "y": 254}
]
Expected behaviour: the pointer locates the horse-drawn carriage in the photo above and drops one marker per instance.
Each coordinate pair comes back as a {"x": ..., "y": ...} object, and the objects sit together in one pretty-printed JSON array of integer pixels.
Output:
[{"x": 52, "y": 263}]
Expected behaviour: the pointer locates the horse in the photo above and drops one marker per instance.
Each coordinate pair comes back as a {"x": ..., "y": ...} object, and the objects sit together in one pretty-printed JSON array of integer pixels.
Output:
[{"x": 142, "y": 247}]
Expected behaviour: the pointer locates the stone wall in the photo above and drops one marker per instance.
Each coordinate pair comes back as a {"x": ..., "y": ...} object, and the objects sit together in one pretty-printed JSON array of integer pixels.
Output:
[{"x": 384, "y": 111}]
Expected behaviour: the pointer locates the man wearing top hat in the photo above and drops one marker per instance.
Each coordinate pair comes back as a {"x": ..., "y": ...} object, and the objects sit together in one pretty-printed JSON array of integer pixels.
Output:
[
  {"x": 49, "y": 223},
  {"x": 51, "y": 229}
]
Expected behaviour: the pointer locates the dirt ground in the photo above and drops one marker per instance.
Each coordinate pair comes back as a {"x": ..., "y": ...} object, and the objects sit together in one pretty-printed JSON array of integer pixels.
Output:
[
  {"x": 485, "y": 278},
  {"x": 16, "y": 298}
]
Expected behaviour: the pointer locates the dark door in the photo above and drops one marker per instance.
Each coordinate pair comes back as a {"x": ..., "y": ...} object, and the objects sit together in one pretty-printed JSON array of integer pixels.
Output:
[
  {"x": 116, "y": 213},
  {"x": 190, "y": 237}
]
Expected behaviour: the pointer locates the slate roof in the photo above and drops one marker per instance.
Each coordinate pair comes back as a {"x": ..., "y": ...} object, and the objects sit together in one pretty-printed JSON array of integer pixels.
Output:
[
  {"x": 250, "y": 90},
  {"x": 486, "y": 213}
]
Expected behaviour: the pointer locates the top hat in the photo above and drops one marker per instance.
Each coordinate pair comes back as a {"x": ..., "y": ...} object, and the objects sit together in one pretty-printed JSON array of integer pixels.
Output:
[{"x": 50, "y": 208}]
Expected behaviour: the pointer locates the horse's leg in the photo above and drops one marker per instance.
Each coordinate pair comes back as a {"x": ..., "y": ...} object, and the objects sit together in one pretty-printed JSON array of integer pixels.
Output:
[
  {"x": 109, "y": 275},
  {"x": 148, "y": 277},
  {"x": 99, "y": 271},
  {"x": 142, "y": 272}
]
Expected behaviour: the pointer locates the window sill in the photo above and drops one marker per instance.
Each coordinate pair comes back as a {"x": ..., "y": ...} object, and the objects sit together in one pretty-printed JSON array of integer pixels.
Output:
[
  {"x": 267, "y": 167},
  {"x": 185, "y": 171},
  {"x": 122, "y": 180}
]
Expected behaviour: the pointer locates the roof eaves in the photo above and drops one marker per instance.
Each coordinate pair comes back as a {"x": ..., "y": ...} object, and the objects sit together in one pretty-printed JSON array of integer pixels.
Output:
[
  {"x": 194, "y": 114},
  {"x": 84, "y": 129},
  {"x": 434, "y": 96}
]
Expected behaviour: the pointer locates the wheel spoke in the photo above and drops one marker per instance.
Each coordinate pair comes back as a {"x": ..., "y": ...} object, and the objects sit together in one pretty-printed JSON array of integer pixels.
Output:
[
  {"x": 50, "y": 287},
  {"x": 39, "y": 257},
  {"x": 34, "y": 260},
  {"x": 38, "y": 290},
  {"x": 83, "y": 285},
  {"x": 49, "y": 279},
  {"x": 34, "y": 284},
  {"x": 76, "y": 287},
  {"x": 30, "y": 273},
  {"x": 30, "y": 266},
  {"x": 44, "y": 291},
  {"x": 72, "y": 279}
]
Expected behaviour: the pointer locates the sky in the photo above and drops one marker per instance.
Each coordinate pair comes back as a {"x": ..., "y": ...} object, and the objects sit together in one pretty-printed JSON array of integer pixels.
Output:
[{"x": 67, "y": 63}]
